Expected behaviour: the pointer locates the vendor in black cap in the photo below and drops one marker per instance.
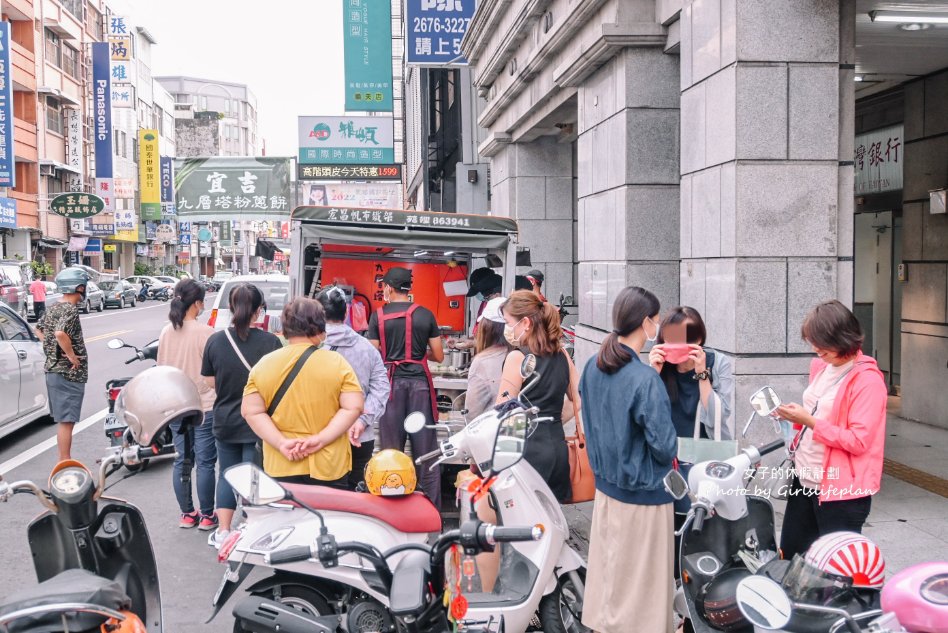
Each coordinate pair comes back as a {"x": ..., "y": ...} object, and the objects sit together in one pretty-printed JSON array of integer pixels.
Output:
[
  {"x": 484, "y": 286},
  {"x": 403, "y": 332},
  {"x": 535, "y": 277}
]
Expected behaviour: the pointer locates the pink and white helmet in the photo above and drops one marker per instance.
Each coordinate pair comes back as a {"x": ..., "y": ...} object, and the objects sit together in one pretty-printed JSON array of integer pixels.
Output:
[{"x": 850, "y": 555}]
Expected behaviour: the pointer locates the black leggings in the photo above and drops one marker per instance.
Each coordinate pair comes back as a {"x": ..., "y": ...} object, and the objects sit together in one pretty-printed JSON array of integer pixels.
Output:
[
  {"x": 340, "y": 483},
  {"x": 360, "y": 457},
  {"x": 806, "y": 519}
]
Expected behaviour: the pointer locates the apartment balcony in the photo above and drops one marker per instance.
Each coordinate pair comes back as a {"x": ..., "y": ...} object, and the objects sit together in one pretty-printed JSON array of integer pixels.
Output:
[
  {"x": 61, "y": 22},
  {"x": 24, "y": 68},
  {"x": 19, "y": 10},
  {"x": 25, "y": 141}
]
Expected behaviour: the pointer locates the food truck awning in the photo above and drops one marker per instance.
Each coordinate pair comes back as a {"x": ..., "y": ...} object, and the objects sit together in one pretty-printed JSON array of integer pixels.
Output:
[{"x": 407, "y": 228}]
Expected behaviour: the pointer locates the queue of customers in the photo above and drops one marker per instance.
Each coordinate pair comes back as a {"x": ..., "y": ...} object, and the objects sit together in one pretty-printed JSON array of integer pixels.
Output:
[{"x": 654, "y": 380}]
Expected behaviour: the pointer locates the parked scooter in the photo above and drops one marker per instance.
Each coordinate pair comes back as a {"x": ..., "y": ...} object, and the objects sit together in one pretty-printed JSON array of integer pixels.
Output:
[
  {"x": 92, "y": 553},
  {"x": 143, "y": 292},
  {"x": 159, "y": 294},
  {"x": 543, "y": 579},
  {"x": 727, "y": 536},
  {"x": 421, "y": 590},
  {"x": 115, "y": 427}
]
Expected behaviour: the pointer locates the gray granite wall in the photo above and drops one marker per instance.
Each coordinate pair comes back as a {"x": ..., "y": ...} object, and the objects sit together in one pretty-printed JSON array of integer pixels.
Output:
[{"x": 925, "y": 253}]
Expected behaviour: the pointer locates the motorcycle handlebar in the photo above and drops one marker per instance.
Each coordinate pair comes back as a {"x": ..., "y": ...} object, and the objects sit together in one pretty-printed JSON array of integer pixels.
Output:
[
  {"x": 428, "y": 456},
  {"x": 700, "y": 514},
  {"x": 500, "y": 534},
  {"x": 770, "y": 448},
  {"x": 130, "y": 361},
  {"x": 293, "y": 554}
]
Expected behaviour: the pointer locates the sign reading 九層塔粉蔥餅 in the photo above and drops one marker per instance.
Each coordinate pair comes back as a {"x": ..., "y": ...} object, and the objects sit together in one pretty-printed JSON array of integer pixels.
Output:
[
  {"x": 233, "y": 188},
  {"x": 341, "y": 140}
]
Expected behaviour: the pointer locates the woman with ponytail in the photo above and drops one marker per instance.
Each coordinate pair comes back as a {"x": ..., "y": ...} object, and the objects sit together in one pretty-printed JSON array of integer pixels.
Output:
[
  {"x": 228, "y": 358},
  {"x": 631, "y": 442},
  {"x": 181, "y": 344},
  {"x": 532, "y": 326}
]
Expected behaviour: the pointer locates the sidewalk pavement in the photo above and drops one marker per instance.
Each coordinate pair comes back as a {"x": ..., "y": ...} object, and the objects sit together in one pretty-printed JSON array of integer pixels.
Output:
[{"x": 909, "y": 516}]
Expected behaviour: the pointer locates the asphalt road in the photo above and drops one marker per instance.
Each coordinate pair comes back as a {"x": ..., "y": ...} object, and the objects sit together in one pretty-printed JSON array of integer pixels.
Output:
[{"x": 188, "y": 568}]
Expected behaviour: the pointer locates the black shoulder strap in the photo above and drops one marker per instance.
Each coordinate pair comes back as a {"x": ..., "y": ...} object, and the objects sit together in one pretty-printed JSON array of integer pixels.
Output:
[{"x": 289, "y": 379}]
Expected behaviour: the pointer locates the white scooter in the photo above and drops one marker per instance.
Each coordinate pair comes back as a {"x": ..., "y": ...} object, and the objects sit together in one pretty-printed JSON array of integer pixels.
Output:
[{"x": 541, "y": 579}]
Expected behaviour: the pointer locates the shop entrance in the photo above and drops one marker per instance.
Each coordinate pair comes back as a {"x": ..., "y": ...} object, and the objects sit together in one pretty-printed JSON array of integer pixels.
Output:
[{"x": 877, "y": 300}]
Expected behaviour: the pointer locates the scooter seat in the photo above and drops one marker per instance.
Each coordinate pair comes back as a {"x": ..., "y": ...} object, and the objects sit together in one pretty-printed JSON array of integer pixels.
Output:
[
  {"x": 70, "y": 586},
  {"x": 411, "y": 514}
]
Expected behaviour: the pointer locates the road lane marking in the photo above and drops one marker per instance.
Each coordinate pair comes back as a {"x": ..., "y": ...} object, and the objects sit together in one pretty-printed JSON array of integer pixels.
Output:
[
  {"x": 104, "y": 336},
  {"x": 126, "y": 311},
  {"x": 44, "y": 446}
]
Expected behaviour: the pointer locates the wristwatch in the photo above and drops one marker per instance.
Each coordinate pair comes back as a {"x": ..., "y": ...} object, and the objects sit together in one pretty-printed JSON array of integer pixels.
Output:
[{"x": 704, "y": 375}]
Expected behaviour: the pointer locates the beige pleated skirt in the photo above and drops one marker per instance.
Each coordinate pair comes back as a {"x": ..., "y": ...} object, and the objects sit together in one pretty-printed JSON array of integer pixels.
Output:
[{"x": 630, "y": 578}]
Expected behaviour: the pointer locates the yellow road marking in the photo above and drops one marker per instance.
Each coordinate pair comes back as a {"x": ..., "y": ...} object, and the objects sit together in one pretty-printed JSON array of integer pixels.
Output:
[{"x": 109, "y": 335}]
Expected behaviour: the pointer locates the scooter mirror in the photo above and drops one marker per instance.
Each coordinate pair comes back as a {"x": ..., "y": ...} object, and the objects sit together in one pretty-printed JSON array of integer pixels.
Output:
[
  {"x": 254, "y": 485},
  {"x": 510, "y": 442},
  {"x": 765, "y": 401},
  {"x": 415, "y": 422},
  {"x": 764, "y": 603},
  {"x": 115, "y": 343},
  {"x": 528, "y": 366},
  {"x": 676, "y": 485}
]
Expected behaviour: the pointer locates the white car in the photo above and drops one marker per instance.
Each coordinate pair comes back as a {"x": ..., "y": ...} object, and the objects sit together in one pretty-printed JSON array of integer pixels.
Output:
[
  {"x": 153, "y": 282},
  {"x": 23, "y": 396},
  {"x": 171, "y": 281},
  {"x": 276, "y": 294}
]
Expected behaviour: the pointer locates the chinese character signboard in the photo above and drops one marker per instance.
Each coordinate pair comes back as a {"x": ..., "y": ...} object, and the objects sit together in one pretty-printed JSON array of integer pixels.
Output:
[
  {"x": 123, "y": 188},
  {"x": 102, "y": 229},
  {"x": 349, "y": 172},
  {"x": 385, "y": 195},
  {"x": 77, "y": 205},
  {"x": 74, "y": 147},
  {"x": 148, "y": 177},
  {"x": 402, "y": 218},
  {"x": 7, "y": 210},
  {"x": 126, "y": 221},
  {"x": 435, "y": 29},
  {"x": 367, "y": 44},
  {"x": 7, "y": 170},
  {"x": 167, "y": 180},
  {"x": 878, "y": 161},
  {"x": 123, "y": 96},
  {"x": 228, "y": 187},
  {"x": 102, "y": 90},
  {"x": 341, "y": 140}
]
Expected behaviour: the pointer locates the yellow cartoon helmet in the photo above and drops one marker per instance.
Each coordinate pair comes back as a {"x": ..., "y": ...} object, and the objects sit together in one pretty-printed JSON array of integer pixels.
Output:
[{"x": 390, "y": 473}]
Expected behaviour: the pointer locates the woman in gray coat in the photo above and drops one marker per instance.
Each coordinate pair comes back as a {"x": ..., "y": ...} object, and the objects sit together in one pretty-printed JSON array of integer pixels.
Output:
[{"x": 367, "y": 364}]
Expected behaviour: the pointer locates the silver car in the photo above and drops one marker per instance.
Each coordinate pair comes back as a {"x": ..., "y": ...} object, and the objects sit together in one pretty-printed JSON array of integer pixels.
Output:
[
  {"x": 276, "y": 294},
  {"x": 22, "y": 378},
  {"x": 95, "y": 299}
]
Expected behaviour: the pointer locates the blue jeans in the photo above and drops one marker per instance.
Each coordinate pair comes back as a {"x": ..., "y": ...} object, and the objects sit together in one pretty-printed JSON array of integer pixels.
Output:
[
  {"x": 204, "y": 456},
  {"x": 230, "y": 454}
]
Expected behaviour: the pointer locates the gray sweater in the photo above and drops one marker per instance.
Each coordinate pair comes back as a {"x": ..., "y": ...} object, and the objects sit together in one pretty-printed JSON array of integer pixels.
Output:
[{"x": 369, "y": 369}]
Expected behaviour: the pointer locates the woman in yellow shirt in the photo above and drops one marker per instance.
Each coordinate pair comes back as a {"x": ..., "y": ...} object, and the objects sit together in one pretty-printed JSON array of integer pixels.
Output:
[{"x": 305, "y": 438}]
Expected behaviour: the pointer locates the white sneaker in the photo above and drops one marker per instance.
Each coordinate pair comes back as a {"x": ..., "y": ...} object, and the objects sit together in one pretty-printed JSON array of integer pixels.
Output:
[{"x": 217, "y": 538}]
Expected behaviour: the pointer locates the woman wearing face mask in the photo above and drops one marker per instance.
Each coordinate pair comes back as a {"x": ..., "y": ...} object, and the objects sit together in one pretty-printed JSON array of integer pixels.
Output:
[
  {"x": 631, "y": 443},
  {"x": 181, "y": 344},
  {"x": 533, "y": 327}
]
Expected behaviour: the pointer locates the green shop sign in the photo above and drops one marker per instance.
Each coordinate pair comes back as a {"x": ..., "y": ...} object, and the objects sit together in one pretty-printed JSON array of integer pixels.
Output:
[
  {"x": 367, "y": 45},
  {"x": 77, "y": 205}
]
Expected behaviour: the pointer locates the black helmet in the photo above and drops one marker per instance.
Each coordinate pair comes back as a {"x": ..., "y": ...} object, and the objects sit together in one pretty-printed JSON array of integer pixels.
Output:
[
  {"x": 69, "y": 280},
  {"x": 717, "y": 601}
]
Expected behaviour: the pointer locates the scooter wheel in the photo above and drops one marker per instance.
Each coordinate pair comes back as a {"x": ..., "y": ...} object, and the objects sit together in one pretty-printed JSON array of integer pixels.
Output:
[
  {"x": 301, "y": 598},
  {"x": 560, "y": 611}
]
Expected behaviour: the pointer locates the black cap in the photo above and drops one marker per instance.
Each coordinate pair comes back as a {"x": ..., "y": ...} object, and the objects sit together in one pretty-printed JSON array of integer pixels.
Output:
[
  {"x": 536, "y": 275},
  {"x": 522, "y": 283},
  {"x": 398, "y": 278},
  {"x": 487, "y": 284},
  {"x": 480, "y": 274}
]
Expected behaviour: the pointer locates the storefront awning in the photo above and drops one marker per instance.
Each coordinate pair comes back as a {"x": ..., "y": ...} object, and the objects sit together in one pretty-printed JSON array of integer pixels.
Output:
[
  {"x": 51, "y": 242},
  {"x": 60, "y": 166}
]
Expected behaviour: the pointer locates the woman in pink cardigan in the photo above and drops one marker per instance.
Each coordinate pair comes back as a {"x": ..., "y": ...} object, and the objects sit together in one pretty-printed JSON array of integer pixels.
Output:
[{"x": 841, "y": 436}]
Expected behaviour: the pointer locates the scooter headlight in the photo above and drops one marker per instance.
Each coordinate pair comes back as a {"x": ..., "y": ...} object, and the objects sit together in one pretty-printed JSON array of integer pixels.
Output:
[{"x": 272, "y": 540}]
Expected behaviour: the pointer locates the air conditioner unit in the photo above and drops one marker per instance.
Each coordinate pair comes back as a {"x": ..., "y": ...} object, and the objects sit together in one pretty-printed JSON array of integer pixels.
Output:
[
  {"x": 937, "y": 201},
  {"x": 47, "y": 170}
]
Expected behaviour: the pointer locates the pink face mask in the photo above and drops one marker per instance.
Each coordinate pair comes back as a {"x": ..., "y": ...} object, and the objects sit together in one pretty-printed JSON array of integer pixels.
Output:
[{"x": 676, "y": 352}]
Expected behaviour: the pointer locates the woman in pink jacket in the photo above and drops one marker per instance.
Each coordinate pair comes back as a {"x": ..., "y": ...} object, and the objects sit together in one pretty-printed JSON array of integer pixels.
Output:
[{"x": 841, "y": 436}]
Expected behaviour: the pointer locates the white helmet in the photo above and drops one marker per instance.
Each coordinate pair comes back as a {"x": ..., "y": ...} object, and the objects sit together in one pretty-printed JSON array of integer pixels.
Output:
[{"x": 154, "y": 399}]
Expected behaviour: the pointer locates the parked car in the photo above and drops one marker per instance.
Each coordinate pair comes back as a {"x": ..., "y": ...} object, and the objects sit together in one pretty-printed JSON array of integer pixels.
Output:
[
  {"x": 119, "y": 293},
  {"x": 15, "y": 278},
  {"x": 153, "y": 282},
  {"x": 276, "y": 294},
  {"x": 23, "y": 396},
  {"x": 53, "y": 296},
  {"x": 95, "y": 298},
  {"x": 171, "y": 281}
]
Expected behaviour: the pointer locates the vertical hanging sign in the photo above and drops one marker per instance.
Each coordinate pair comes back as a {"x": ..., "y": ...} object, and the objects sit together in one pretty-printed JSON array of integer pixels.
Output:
[
  {"x": 74, "y": 147},
  {"x": 149, "y": 181},
  {"x": 7, "y": 170},
  {"x": 367, "y": 44},
  {"x": 103, "y": 123},
  {"x": 167, "y": 185}
]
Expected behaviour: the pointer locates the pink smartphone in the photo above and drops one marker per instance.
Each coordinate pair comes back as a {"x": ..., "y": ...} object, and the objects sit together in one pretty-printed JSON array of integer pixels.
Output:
[{"x": 676, "y": 352}]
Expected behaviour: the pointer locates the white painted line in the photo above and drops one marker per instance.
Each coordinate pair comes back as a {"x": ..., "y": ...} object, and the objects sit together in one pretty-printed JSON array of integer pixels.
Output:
[
  {"x": 44, "y": 446},
  {"x": 109, "y": 312}
]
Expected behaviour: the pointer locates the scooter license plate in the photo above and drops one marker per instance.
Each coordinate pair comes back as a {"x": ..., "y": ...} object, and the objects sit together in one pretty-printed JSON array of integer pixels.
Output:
[
  {"x": 231, "y": 575},
  {"x": 112, "y": 422}
]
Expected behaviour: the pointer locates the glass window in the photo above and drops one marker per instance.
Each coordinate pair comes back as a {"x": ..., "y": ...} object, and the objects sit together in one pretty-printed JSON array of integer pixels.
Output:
[
  {"x": 54, "y": 116},
  {"x": 53, "y": 48},
  {"x": 74, "y": 7},
  {"x": 71, "y": 61},
  {"x": 13, "y": 328},
  {"x": 54, "y": 186}
]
